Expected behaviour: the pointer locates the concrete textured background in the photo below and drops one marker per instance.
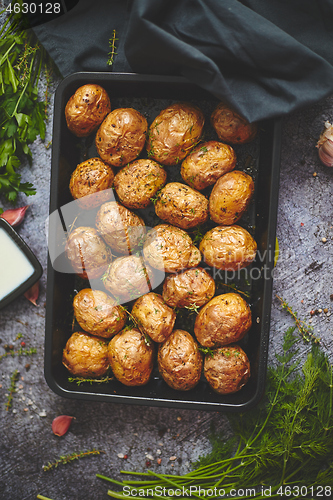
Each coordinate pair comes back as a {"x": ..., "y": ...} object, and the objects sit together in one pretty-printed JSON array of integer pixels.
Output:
[{"x": 303, "y": 277}]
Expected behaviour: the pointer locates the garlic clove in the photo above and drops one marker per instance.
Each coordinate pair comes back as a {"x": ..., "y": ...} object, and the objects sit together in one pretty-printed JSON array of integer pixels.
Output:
[
  {"x": 33, "y": 293},
  {"x": 15, "y": 215},
  {"x": 61, "y": 424},
  {"x": 325, "y": 145}
]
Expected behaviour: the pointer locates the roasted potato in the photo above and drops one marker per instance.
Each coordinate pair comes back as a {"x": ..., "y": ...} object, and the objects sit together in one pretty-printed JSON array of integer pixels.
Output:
[
  {"x": 128, "y": 278},
  {"x": 230, "y": 197},
  {"x": 180, "y": 361},
  {"x": 171, "y": 249},
  {"x": 174, "y": 132},
  {"x": 87, "y": 252},
  {"x": 181, "y": 206},
  {"x": 121, "y": 137},
  {"x": 91, "y": 177},
  {"x": 86, "y": 355},
  {"x": 86, "y": 109},
  {"x": 206, "y": 163},
  {"x": 131, "y": 356},
  {"x": 137, "y": 183},
  {"x": 228, "y": 248},
  {"x": 98, "y": 313},
  {"x": 231, "y": 127},
  {"x": 122, "y": 229},
  {"x": 191, "y": 287},
  {"x": 225, "y": 319},
  {"x": 227, "y": 370},
  {"x": 154, "y": 317}
]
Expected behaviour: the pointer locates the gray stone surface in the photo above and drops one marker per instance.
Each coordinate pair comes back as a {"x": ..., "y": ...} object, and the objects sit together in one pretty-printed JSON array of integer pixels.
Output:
[{"x": 303, "y": 277}]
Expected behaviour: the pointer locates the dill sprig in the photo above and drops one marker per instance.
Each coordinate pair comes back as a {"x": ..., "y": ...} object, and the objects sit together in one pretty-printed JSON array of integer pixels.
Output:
[
  {"x": 12, "y": 389},
  {"x": 65, "y": 459},
  {"x": 286, "y": 442}
]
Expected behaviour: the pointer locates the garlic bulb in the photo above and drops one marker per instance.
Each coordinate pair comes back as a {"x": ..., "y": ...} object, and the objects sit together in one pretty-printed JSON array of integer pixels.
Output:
[{"x": 325, "y": 145}]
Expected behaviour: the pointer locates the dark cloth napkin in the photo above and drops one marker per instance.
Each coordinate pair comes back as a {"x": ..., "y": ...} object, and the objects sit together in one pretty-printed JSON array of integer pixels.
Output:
[{"x": 266, "y": 58}]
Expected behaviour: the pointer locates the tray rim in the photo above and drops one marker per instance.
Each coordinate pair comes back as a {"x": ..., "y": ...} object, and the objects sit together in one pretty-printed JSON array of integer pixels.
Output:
[{"x": 268, "y": 283}]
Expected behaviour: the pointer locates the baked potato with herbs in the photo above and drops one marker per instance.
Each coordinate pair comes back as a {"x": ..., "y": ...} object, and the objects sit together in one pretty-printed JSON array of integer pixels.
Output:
[
  {"x": 121, "y": 137},
  {"x": 98, "y": 313},
  {"x": 91, "y": 177},
  {"x": 228, "y": 248},
  {"x": 230, "y": 197},
  {"x": 180, "y": 361},
  {"x": 171, "y": 249},
  {"x": 87, "y": 252},
  {"x": 86, "y": 109},
  {"x": 181, "y": 206},
  {"x": 193, "y": 287},
  {"x": 86, "y": 355},
  {"x": 122, "y": 229},
  {"x": 231, "y": 127},
  {"x": 225, "y": 319},
  {"x": 131, "y": 356},
  {"x": 206, "y": 163},
  {"x": 128, "y": 278},
  {"x": 174, "y": 132},
  {"x": 138, "y": 182},
  {"x": 154, "y": 317},
  {"x": 227, "y": 369}
]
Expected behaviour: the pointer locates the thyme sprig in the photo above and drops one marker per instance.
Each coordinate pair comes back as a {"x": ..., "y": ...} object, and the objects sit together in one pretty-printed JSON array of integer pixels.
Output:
[
  {"x": 65, "y": 459},
  {"x": 12, "y": 389},
  {"x": 112, "y": 44},
  {"x": 19, "y": 352},
  {"x": 82, "y": 380},
  {"x": 305, "y": 330}
]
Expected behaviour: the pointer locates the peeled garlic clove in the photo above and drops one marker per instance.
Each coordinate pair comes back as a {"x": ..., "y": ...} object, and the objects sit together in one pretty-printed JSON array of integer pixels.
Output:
[
  {"x": 60, "y": 425},
  {"x": 33, "y": 293},
  {"x": 14, "y": 216},
  {"x": 325, "y": 145}
]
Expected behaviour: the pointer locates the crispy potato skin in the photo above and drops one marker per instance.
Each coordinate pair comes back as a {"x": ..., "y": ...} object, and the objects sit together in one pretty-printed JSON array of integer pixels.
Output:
[
  {"x": 138, "y": 182},
  {"x": 171, "y": 249},
  {"x": 231, "y": 127},
  {"x": 87, "y": 252},
  {"x": 128, "y": 278},
  {"x": 180, "y": 361},
  {"x": 86, "y": 355},
  {"x": 98, "y": 313},
  {"x": 228, "y": 247},
  {"x": 174, "y": 132},
  {"x": 86, "y": 109},
  {"x": 120, "y": 228},
  {"x": 228, "y": 370},
  {"x": 91, "y": 177},
  {"x": 181, "y": 206},
  {"x": 225, "y": 319},
  {"x": 191, "y": 287},
  {"x": 206, "y": 163},
  {"x": 154, "y": 317},
  {"x": 230, "y": 197},
  {"x": 131, "y": 357},
  {"x": 122, "y": 136}
]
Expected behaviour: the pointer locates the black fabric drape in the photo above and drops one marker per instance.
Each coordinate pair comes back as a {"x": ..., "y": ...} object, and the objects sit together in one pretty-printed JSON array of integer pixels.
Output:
[{"x": 266, "y": 58}]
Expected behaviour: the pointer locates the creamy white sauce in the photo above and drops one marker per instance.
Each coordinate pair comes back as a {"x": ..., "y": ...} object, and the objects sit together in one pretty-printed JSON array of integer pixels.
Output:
[{"x": 15, "y": 268}]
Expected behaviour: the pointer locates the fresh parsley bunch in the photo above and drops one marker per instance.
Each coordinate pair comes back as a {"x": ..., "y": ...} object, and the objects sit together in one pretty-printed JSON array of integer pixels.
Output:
[{"x": 22, "y": 115}]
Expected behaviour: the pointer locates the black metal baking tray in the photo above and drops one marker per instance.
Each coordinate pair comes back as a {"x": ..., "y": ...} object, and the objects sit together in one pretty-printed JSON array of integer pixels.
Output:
[{"x": 149, "y": 94}]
